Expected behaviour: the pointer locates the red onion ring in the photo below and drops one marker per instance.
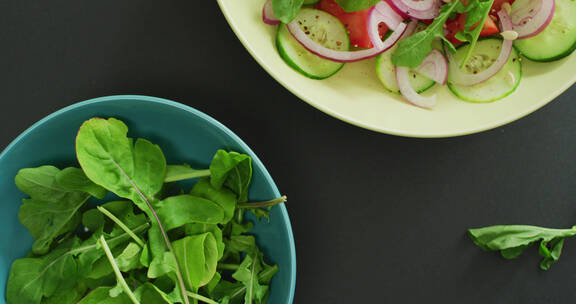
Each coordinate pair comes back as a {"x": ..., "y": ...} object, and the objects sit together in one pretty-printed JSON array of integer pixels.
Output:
[
  {"x": 403, "y": 80},
  {"x": 421, "y": 10},
  {"x": 344, "y": 56},
  {"x": 268, "y": 14},
  {"x": 465, "y": 79},
  {"x": 435, "y": 67},
  {"x": 532, "y": 16},
  {"x": 381, "y": 13}
]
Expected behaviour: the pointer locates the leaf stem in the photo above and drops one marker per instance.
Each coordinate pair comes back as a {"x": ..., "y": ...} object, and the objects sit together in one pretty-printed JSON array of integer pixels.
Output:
[
  {"x": 162, "y": 231},
  {"x": 228, "y": 266},
  {"x": 190, "y": 175},
  {"x": 119, "y": 276},
  {"x": 269, "y": 203},
  {"x": 122, "y": 225},
  {"x": 201, "y": 298}
]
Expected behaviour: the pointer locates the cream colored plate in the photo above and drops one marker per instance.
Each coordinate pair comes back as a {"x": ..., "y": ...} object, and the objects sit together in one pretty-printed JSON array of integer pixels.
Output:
[{"x": 356, "y": 96}]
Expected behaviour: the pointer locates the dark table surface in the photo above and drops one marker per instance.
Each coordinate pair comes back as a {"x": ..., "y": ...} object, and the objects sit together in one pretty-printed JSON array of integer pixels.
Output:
[{"x": 376, "y": 218}]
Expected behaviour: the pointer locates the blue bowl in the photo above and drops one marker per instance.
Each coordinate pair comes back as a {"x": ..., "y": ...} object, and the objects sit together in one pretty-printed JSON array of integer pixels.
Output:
[{"x": 185, "y": 135}]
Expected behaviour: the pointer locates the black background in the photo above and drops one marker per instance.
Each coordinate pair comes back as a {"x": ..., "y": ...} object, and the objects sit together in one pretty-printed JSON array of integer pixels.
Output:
[{"x": 376, "y": 218}]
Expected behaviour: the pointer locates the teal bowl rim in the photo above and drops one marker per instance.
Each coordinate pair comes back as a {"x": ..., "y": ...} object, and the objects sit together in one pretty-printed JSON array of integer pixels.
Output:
[{"x": 203, "y": 116}]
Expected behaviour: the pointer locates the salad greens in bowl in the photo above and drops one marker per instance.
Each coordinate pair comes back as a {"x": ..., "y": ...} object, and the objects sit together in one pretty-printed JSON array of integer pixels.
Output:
[
  {"x": 426, "y": 68},
  {"x": 134, "y": 199}
]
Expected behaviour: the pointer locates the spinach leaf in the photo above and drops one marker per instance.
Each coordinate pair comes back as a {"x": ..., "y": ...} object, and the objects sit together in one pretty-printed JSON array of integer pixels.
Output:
[
  {"x": 52, "y": 210},
  {"x": 176, "y": 173},
  {"x": 234, "y": 170},
  {"x": 129, "y": 258},
  {"x": 356, "y": 5},
  {"x": 412, "y": 50},
  {"x": 179, "y": 210},
  {"x": 286, "y": 10},
  {"x": 199, "y": 254},
  {"x": 512, "y": 240},
  {"x": 223, "y": 197}
]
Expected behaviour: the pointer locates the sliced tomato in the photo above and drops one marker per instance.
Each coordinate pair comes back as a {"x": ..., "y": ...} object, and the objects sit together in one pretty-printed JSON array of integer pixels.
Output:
[
  {"x": 355, "y": 22},
  {"x": 498, "y": 5},
  {"x": 454, "y": 26}
]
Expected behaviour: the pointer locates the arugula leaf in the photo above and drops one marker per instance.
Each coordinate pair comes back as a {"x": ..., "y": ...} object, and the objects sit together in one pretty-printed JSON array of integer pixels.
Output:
[
  {"x": 52, "y": 210},
  {"x": 136, "y": 172},
  {"x": 150, "y": 294},
  {"x": 74, "y": 179},
  {"x": 412, "y": 50},
  {"x": 198, "y": 228},
  {"x": 30, "y": 279},
  {"x": 356, "y": 5},
  {"x": 184, "y": 209},
  {"x": 286, "y": 10},
  {"x": 110, "y": 159},
  {"x": 129, "y": 258},
  {"x": 122, "y": 286},
  {"x": 199, "y": 254},
  {"x": 223, "y": 197},
  {"x": 247, "y": 273},
  {"x": 101, "y": 295},
  {"x": 176, "y": 173},
  {"x": 550, "y": 251},
  {"x": 512, "y": 240},
  {"x": 67, "y": 296},
  {"x": 47, "y": 220},
  {"x": 234, "y": 170},
  {"x": 476, "y": 13}
]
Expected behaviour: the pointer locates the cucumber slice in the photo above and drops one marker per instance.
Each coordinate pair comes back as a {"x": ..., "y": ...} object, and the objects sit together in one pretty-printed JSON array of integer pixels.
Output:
[
  {"x": 322, "y": 28},
  {"x": 498, "y": 86},
  {"x": 310, "y": 2},
  {"x": 557, "y": 40},
  {"x": 386, "y": 72}
]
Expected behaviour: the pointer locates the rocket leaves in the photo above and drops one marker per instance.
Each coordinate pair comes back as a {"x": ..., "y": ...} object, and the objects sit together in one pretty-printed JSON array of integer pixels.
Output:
[{"x": 170, "y": 249}]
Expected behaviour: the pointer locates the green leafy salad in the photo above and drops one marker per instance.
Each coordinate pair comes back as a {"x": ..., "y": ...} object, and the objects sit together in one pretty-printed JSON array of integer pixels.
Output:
[
  {"x": 474, "y": 47},
  {"x": 148, "y": 239}
]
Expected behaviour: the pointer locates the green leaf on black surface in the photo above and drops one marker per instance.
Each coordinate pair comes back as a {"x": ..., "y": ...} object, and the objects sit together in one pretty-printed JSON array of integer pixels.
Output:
[
  {"x": 234, "y": 170},
  {"x": 512, "y": 240}
]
